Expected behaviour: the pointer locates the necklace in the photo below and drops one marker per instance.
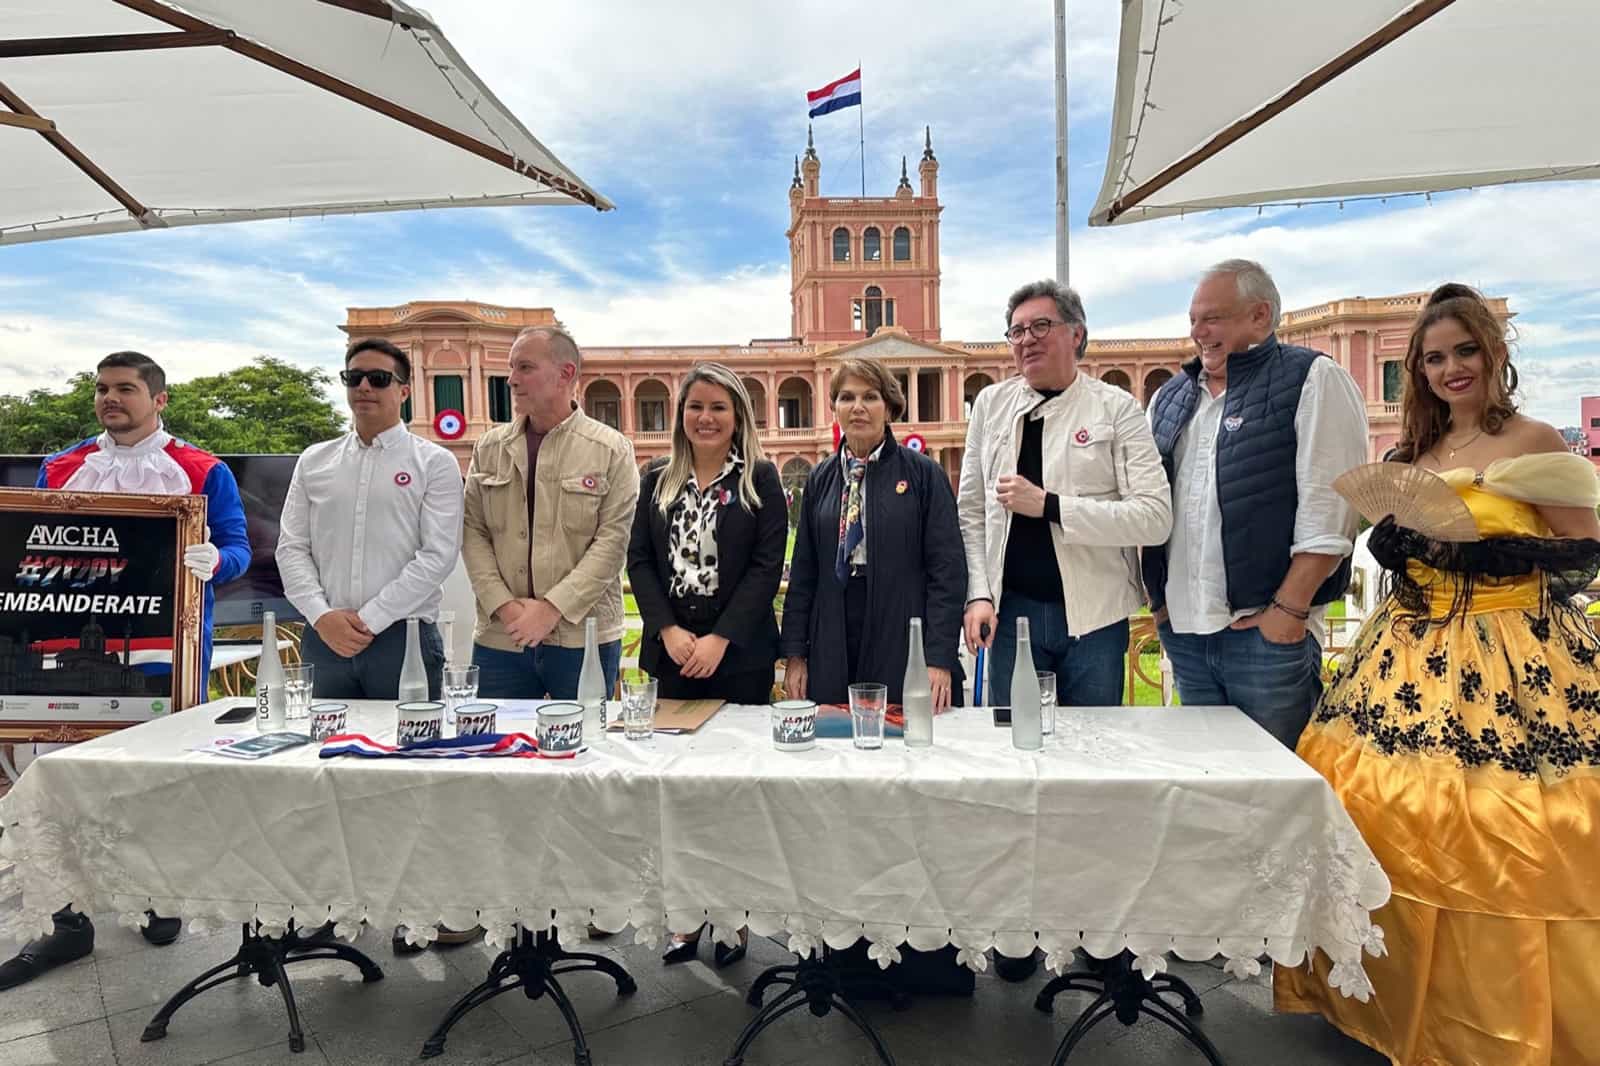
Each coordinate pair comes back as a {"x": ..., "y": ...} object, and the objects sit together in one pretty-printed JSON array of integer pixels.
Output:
[{"x": 1463, "y": 444}]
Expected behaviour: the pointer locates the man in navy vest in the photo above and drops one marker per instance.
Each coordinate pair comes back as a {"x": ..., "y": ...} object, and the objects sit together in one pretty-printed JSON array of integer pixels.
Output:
[{"x": 1252, "y": 434}]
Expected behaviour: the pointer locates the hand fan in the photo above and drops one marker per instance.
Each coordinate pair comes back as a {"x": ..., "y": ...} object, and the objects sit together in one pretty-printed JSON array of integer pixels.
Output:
[{"x": 1419, "y": 499}]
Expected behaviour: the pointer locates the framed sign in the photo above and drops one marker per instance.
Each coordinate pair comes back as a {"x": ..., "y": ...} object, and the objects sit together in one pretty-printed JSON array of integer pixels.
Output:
[{"x": 99, "y": 619}]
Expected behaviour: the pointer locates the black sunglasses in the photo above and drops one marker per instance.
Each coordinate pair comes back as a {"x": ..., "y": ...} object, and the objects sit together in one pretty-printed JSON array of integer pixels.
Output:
[{"x": 380, "y": 378}]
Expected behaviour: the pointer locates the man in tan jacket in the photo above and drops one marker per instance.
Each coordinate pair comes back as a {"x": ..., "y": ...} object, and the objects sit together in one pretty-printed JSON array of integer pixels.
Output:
[{"x": 549, "y": 506}]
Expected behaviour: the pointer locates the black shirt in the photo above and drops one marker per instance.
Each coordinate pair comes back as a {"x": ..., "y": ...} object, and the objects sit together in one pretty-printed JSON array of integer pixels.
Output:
[{"x": 1030, "y": 568}]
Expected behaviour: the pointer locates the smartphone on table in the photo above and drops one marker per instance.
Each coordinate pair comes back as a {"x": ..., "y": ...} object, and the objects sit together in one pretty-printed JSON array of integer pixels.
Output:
[{"x": 239, "y": 712}]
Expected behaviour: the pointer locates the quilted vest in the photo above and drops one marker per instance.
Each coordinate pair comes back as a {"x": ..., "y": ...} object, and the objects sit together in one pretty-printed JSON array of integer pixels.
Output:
[{"x": 1255, "y": 457}]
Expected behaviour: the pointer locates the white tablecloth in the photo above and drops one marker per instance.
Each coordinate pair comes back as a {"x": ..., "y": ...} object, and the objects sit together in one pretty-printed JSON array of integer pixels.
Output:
[{"x": 1154, "y": 829}]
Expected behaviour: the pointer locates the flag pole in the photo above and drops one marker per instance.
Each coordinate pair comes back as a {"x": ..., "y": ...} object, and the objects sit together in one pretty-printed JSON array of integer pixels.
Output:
[
  {"x": 861, "y": 120},
  {"x": 1062, "y": 222}
]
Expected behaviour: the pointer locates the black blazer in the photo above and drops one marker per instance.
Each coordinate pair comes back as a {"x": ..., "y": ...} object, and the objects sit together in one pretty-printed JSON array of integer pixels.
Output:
[{"x": 750, "y": 551}]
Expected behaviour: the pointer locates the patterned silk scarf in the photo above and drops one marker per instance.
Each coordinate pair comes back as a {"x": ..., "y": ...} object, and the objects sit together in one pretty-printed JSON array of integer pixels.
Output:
[{"x": 851, "y": 529}]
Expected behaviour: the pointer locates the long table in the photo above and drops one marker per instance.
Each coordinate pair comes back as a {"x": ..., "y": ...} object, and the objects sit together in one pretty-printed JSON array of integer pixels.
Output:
[{"x": 1137, "y": 829}]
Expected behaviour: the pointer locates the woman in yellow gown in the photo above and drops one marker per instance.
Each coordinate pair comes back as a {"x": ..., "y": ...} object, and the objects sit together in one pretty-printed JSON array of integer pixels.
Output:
[{"x": 1461, "y": 735}]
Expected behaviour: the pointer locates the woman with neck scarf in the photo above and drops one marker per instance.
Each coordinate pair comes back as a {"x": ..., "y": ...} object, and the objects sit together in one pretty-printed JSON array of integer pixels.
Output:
[
  {"x": 878, "y": 544},
  {"x": 1463, "y": 734}
]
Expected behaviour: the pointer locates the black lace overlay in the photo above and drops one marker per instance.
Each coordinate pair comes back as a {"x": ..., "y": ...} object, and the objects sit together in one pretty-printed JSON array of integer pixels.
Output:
[
  {"x": 1566, "y": 567},
  {"x": 1512, "y": 689}
]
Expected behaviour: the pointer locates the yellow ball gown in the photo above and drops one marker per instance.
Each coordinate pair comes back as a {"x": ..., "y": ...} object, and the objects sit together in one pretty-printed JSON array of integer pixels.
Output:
[{"x": 1467, "y": 754}]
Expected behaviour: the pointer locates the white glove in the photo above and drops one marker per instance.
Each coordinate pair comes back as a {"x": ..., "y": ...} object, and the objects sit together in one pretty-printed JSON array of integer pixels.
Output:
[{"x": 202, "y": 559}]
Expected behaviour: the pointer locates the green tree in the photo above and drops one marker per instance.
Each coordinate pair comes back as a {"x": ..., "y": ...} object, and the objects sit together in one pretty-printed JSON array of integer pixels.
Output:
[
  {"x": 268, "y": 406},
  {"x": 43, "y": 421}
]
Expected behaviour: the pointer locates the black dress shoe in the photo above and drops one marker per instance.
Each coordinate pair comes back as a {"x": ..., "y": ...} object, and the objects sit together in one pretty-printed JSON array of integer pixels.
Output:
[
  {"x": 1012, "y": 969},
  {"x": 161, "y": 931},
  {"x": 726, "y": 956},
  {"x": 73, "y": 938},
  {"x": 681, "y": 951}
]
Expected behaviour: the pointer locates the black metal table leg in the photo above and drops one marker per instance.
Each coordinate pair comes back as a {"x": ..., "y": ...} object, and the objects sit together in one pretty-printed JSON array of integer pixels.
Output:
[
  {"x": 819, "y": 984},
  {"x": 265, "y": 958},
  {"x": 532, "y": 964},
  {"x": 1122, "y": 992}
]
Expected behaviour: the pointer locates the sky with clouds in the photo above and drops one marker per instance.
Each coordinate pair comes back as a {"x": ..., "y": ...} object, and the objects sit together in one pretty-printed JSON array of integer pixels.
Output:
[{"x": 688, "y": 116}]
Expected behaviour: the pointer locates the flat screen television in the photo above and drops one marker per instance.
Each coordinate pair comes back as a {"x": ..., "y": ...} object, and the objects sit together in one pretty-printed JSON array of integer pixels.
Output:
[{"x": 263, "y": 484}]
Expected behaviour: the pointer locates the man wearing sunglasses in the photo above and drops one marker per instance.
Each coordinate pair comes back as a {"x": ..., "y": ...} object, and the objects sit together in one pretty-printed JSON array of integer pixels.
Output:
[{"x": 371, "y": 529}]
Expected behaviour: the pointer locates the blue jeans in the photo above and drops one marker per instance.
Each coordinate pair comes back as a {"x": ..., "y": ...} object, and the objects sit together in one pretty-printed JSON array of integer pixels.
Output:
[
  {"x": 541, "y": 672},
  {"x": 1275, "y": 685},
  {"x": 372, "y": 674},
  {"x": 1088, "y": 669}
]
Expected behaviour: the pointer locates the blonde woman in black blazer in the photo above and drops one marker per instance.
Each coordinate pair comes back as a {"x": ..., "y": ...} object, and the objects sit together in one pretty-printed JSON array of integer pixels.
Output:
[{"x": 705, "y": 559}]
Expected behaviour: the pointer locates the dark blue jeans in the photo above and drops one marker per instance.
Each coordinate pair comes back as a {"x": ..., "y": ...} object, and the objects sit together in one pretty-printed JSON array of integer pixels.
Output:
[
  {"x": 1089, "y": 669},
  {"x": 1275, "y": 685},
  {"x": 372, "y": 674},
  {"x": 541, "y": 672}
]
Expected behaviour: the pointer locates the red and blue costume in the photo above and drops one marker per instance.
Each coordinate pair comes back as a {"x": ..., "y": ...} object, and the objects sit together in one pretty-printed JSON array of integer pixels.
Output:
[{"x": 224, "y": 515}]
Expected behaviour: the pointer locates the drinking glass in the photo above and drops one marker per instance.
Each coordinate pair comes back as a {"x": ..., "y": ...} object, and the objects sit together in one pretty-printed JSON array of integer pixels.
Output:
[
  {"x": 868, "y": 702},
  {"x": 297, "y": 683},
  {"x": 460, "y": 686},
  {"x": 1047, "y": 702},
  {"x": 639, "y": 709}
]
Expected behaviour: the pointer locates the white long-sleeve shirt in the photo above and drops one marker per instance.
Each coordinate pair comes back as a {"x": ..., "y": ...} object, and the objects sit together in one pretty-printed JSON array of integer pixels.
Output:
[
  {"x": 1330, "y": 427},
  {"x": 374, "y": 528}
]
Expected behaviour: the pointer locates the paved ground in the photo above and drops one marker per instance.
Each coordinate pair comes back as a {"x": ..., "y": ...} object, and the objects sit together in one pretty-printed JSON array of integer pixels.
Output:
[{"x": 92, "y": 1012}]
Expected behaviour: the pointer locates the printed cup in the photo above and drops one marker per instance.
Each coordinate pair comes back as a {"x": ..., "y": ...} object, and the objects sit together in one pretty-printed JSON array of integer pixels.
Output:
[
  {"x": 419, "y": 721},
  {"x": 475, "y": 719},
  {"x": 560, "y": 728},
  {"x": 794, "y": 725},
  {"x": 327, "y": 720}
]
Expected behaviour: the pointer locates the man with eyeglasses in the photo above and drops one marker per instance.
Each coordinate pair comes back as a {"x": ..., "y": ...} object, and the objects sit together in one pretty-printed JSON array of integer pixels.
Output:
[
  {"x": 1060, "y": 484},
  {"x": 371, "y": 528},
  {"x": 1252, "y": 432}
]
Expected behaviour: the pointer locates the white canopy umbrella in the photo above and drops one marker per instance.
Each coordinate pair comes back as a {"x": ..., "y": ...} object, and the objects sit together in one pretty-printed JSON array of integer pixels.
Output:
[
  {"x": 129, "y": 114},
  {"x": 1228, "y": 103}
]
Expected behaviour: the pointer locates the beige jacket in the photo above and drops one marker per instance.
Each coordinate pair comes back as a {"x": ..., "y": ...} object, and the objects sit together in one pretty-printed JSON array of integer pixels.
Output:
[
  {"x": 1101, "y": 460},
  {"x": 583, "y": 513}
]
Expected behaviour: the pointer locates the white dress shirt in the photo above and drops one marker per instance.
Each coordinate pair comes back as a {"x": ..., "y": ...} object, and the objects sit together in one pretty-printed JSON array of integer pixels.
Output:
[
  {"x": 1330, "y": 427},
  {"x": 374, "y": 528}
]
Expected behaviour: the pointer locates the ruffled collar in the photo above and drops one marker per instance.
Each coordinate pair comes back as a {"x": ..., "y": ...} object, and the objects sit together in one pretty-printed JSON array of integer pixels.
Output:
[{"x": 146, "y": 467}]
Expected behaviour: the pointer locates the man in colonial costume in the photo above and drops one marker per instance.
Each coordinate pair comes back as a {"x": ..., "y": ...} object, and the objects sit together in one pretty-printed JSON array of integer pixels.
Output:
[{"x": 136, "y": 454}]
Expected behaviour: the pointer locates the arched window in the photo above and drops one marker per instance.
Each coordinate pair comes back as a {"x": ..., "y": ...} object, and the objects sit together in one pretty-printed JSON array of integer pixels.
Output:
[
  {"x": 871, "y": 245},
  {"x": 874, "y": 304},
  {"x": 902, "y": 245},
  {"x": 841, "y": 245}
]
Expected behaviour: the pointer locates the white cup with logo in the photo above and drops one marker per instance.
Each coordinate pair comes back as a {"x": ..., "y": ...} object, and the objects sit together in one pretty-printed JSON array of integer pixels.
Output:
[
  {"x": 794, "y": 725},
  {"x": 327, "y": 720},
  {"x": 560, "y": 728},
  {"x": 419, "y": 721},
  {"x": 475, "y": 719}
]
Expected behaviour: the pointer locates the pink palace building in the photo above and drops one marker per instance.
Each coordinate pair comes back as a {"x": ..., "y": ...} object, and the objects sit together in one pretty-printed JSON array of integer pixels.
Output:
[{"x": 864, "y": 280}]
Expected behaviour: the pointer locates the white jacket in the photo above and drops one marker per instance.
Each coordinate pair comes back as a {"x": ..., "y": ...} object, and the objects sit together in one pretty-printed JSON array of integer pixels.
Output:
[{"x": 1101, "y": 461}]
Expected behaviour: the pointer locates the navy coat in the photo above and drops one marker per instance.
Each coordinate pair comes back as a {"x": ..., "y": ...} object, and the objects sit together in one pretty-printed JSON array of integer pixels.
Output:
[{"x": 915, "y": 568}]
